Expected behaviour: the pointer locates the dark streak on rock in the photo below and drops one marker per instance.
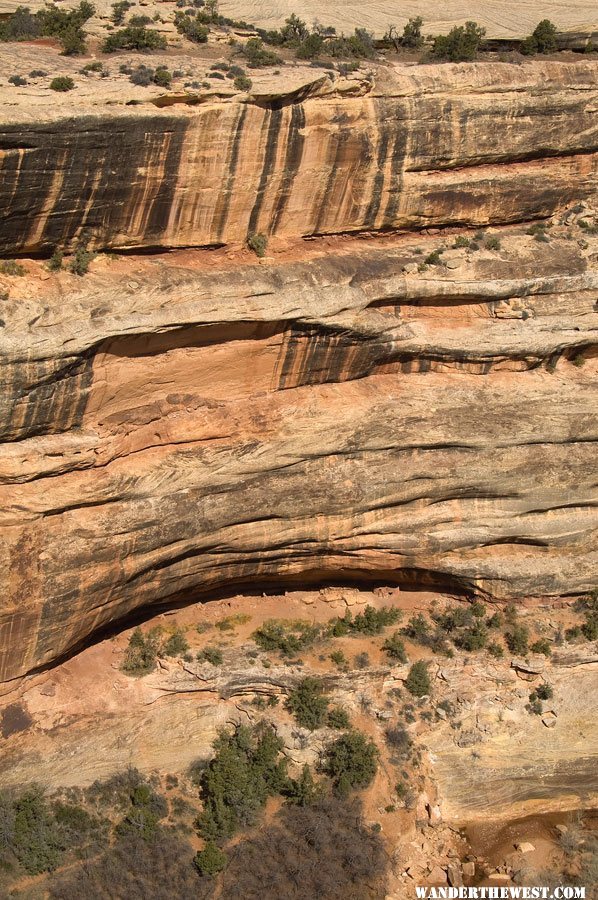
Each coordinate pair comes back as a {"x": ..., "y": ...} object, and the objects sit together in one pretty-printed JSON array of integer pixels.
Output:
[
  {"x": 160, "y": 209},
  {"x": 223, "y": 205},
  {"x": 274, "y": 122},
  {"x": 292, "y": 162},
  {"x": 41, "y": 398}
]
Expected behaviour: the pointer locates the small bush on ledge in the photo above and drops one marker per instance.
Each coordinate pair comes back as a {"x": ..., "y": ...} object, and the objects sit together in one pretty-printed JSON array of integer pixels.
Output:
[
  {"x": 62, "y": 83},
  {"x": 258, "y": 243},
  {"x": 134, "y": 38},
  {"x": 418, "y": 681},
  {"x": 141, "y": 654}
]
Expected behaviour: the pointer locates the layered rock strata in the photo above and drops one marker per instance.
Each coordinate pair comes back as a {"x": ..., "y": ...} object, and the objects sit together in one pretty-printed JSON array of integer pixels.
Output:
[
  {"x": 407, "y": 147},
  {"x": 172, "y": 430}
]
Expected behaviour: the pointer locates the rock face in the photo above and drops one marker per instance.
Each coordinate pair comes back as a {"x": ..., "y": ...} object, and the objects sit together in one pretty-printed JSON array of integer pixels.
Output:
[
  {"x": 172, "y": 427},
  {"x": 419, "y": 146},
  {"x": 511, "y": 764}
]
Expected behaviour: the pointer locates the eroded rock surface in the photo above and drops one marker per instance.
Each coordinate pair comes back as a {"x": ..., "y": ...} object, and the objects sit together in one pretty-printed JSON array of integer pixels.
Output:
[
  {"x": 172, "y": 430},
  {"x": 406, "y": 147},
  {"x": 351, "y": 408}
]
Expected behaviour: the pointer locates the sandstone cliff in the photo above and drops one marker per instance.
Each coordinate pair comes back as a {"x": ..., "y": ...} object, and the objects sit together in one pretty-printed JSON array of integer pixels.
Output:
[
  {"x": 303, "y": 155},
  {"x": 176, "y": 430},
  {"x": 194, "y": 421}
]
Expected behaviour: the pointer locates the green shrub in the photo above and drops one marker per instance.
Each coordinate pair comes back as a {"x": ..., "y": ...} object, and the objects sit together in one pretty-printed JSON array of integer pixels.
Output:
[
  {"x": 211, "y": 655},
  {"x": 311, "y": 47},
  {"x": 67, "y": 26},
  {"x": 360, "y": 45},
  {"x": 257, "y": 55},
  {"x": 21, "y": 26},
  {"x": 139, "y": 21},
  {"x": 401, "y": 789},
  {"x": 542, "y": 646},
  {"x": 258, "y": 243},
  {"x": 289, "y": 637},
  {"x": 412, "y": 34},
  {"x": 346, "y": 69},
  {"x": 12, "y": 268},
  {"x": 517, "y": 638},
  {"x": 417, "y": 628},
  {"x": 95, "y": 66},
  {"x": 538, "y": 231},
  {"x": 131, "y": 38},
  {"x": 544, "y": 692},
  {"x": 229, "y": 623},
  {"x": 510, "y": 613},
  {"x": 62, "y": 83},
  {"x": 418, "y": 681},
  {"x": 534, "y": 706},
  {"x": 496, "y": 650},
  {"x": 210, "y": 860},
  {"x": 247, "y": 769},
  {"x": 142, "y": 76},
  {"x": 460, "y": 44},
  {"x": 474, "y": 638},
  {"x": 496, "y": 620},
  {"x": 35, "y": 842},
  {"x": 191, "y": 27},
  {"x": 589, "y": 628},
  {"x": 351, "y": 761},
  {"x": 339, "y": 659},
  {"x": 73, "y": 42},
  {"x": 50, "y": 21},
  {"x": 308, "y": 704},
  {"x": 294, "y": 31},
  {"x": 175, "y": 645},
  {"x": 119, "y": 10},
  {"x": 17, "y": 80},
  {"x": 143, "y": 815},
  {"x": 369, "y": 622},
  {"x": 450, "y": 620},
  {"x": 162, "y": 77},
  {"x": 461, "y": 241},
  {"x": 434, "y": 258},
  {"x": 55, "y": 261},
  {"x": 243, "y": 83},
  {"x": 395, "y": 648},
  {"x": 338, "y": 718},
  {"x": 142, "y": 652},
  {"x": 303, "y": 791},
  {"x": 81, "y": 258},
  {"x": 492, "y": 243},
  {"x": 541, "y": 40}
]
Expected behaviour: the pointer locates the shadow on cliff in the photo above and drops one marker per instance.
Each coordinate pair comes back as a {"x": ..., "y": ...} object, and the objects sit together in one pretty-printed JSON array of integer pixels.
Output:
[{"x": 413, "y": 580}]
